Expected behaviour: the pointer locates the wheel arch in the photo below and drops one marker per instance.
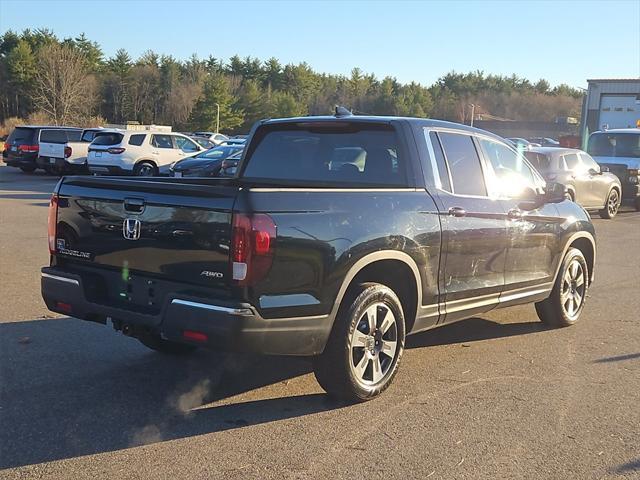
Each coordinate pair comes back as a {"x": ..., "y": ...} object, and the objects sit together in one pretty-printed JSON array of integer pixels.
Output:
[
  {"x": 584, "y": 242},
  {"x": 397, "y": 267}
]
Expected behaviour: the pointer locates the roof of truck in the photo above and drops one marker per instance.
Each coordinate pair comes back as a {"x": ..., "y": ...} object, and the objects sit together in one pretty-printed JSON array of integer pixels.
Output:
[{"x": 422, "y": 122}]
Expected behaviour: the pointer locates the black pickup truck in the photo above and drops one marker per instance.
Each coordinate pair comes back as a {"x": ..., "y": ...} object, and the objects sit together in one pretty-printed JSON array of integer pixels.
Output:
[{"x": 337, "y": 237}]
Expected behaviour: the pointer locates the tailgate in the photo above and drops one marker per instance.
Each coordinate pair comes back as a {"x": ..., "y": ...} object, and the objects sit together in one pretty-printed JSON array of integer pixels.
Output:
[
  {"x": 150, "y": 228},
  {"x": 51, "y": 150}
]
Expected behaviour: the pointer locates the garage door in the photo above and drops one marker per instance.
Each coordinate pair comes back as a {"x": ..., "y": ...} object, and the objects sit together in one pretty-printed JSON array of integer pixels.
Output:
[{"x": 619, "y": 111}]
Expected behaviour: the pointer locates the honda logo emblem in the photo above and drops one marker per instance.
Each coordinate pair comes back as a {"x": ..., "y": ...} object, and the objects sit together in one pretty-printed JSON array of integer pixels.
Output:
[{"x": 131, "y": 228}]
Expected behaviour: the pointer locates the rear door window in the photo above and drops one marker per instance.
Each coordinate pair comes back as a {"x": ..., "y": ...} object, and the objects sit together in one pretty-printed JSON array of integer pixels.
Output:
[
  {"x": 161, "y": 141},
  {"x": 441, "y": 163},
  {"x": 329, "y": 153},
  {"x": 572, "y": 161},
  {"x": 137, "y": 139},
  {"x": 185, "y": 144},
  {"x": 464, "y": 164}
]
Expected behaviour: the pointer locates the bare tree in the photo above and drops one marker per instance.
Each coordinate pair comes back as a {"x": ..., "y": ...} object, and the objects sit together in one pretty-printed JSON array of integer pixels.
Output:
[{"x": 64, "y": 88}]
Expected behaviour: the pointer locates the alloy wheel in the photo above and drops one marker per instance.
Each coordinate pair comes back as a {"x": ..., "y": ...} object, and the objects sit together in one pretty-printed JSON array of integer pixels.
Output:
[
  {"x": 573, "y": 288},
  {"x": 374, "y": 345},
  {"x": 613, "y": 203}
]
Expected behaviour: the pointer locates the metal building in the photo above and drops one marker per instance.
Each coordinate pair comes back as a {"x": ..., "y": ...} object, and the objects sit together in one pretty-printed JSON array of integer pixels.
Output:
[{"x": 610, "y": 103}]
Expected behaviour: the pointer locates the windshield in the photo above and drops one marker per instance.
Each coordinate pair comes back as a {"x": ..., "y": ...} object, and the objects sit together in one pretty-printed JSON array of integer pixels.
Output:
[
  {"x": 328, "y": 153},
  {"x": 614, "y": 145},
  {"x": 218, "y": 153}
]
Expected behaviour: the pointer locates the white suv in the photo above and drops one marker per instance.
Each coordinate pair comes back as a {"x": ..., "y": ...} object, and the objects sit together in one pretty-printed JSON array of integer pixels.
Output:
[{"x": 132, "y": 152}]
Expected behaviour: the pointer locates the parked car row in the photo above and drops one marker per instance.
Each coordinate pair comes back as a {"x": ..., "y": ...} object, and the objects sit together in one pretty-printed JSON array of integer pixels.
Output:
[
  {"x": 70, "y": 150},
  {"x": 598, "y": 184}
]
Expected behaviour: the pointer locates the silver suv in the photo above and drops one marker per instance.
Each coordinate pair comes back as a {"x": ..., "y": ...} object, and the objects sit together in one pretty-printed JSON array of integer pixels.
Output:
[{"x": 587, "y": 183}]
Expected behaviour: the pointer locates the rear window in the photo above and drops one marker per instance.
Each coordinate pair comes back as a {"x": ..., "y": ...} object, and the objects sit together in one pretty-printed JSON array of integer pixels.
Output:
[
  {"x": 136, "y": 139},
  {"x": 59, "y": 135},
  {"x": 21, "y": 136},
  {"x": 107, "y": 138},
  {"x": 360, "y": 154},
  {"x": 540, "y": 161},
  {"x": 614, "y": 145}
]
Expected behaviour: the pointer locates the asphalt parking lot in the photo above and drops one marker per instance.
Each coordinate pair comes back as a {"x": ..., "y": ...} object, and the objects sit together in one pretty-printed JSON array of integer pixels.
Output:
[{"x": 498, "y": 396}]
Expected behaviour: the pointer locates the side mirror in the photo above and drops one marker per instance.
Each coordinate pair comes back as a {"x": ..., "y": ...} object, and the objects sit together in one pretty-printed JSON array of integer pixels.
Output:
[
  {"x": 555, "y": 192},
  {"x": 529, "y": 199},
  {"x": 593, "y": 172}
]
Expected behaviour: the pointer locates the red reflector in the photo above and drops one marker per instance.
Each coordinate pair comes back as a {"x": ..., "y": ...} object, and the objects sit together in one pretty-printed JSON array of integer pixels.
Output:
[
  {"x": 195, "y": 336},
  {"x": 65, "y": 307}
]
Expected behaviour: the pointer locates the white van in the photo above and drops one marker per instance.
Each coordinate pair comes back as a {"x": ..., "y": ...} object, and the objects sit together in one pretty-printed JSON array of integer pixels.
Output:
[{"x": 131, "y": 152}]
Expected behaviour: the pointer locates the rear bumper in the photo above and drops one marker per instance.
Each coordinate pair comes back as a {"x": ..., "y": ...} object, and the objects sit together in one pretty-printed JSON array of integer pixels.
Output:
[
  {"x": 227, "y": 325},
  {"x": 108, "y": 170},
  {"x": 61, "y": 164},
  {"x": 25, "y": 161}
]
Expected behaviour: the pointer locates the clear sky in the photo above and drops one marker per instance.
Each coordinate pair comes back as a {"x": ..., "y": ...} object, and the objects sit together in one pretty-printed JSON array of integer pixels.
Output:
[{"x": 562, "y": 41}]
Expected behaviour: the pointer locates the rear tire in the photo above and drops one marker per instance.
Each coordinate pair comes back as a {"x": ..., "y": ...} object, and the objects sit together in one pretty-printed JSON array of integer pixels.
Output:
[
  {"x": 569, "y": 294},
  {"x": 611, "y": 205},
  {"x": 363, "y": 352},
  {"x": 28, "y": 169},
  {"x": 154, "y": 342},
  {"x": 145, "y": 169}
]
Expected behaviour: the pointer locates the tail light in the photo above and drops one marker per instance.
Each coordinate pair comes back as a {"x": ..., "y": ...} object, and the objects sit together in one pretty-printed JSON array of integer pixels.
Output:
[
  {"x": 28, "y": 148},
  {"x": 252, "y": 247},
  {"x": 52, "y": 223},
  {"x": 67, "y": 152},
  {"x": 6, "y": 146},
  {"x": 115, "y": 151}
]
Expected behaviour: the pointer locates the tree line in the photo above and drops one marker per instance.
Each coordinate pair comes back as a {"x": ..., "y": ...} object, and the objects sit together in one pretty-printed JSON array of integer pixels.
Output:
[{"x": 71, "y": 81}]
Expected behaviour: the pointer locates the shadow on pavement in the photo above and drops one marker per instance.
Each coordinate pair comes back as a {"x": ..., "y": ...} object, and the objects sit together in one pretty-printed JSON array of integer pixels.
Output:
[
  {"x": 632, "y": 466},
  {"x": 72, "y": 388},
  {"x": 472, "y": 330},
  {"x": 618, "y": 358}
]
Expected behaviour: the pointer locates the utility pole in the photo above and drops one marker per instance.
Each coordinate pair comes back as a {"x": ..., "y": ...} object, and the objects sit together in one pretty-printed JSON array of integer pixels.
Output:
[
  {"x": 473, "y": 112},
  {"x": 218, "y": 118}
]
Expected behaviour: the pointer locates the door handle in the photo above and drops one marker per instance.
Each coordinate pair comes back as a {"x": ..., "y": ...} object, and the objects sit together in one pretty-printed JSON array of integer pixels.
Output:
[
  {"x": 457, "y": 212},
  {"x": 514, "y": 214}
]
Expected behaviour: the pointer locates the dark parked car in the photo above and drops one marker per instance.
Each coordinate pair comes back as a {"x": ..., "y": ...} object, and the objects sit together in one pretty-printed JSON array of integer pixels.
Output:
[
  {"x": 23, "y": 145},
  {"x": 619, "y": 151},
  {"x": 205, "y": 164},
  {"x": 588, "y": 184},
  {"x": 443, "y": 222}
]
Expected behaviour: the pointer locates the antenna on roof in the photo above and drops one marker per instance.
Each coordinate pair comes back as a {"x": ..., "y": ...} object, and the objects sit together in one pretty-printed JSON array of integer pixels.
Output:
[{"x": 342, "y": 112}]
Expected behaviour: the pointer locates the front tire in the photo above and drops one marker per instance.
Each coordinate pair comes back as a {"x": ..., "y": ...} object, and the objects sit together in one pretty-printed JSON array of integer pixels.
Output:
[
  {"x": 145, "y": 169},
  {"x": 569, "y": 294},
  {"x": 154, "y": 342},
  {"x": 611, "y": 206},
  {"x": 363, "y": 352}
]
